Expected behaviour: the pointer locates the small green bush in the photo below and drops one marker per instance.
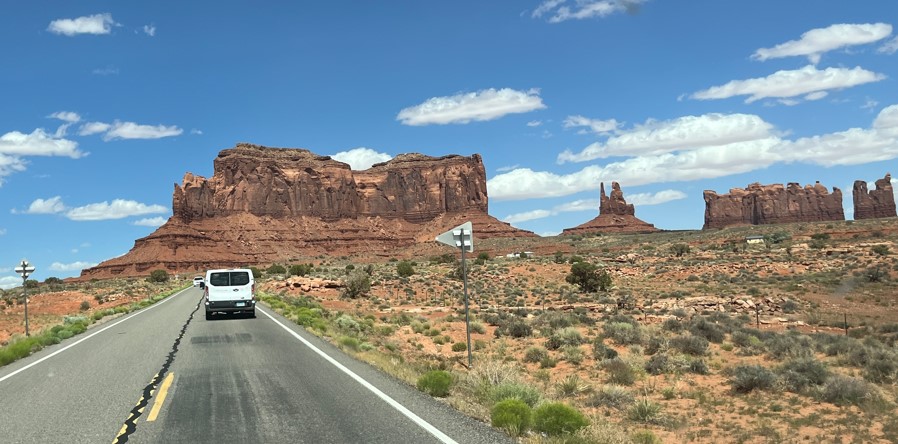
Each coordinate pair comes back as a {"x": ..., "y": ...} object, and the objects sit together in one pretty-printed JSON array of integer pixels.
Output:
[
  {"x": 644, "y": 410},
  {"x": 460, "y": 347},
  {"x": 514, "y": 390},
  {"x": 619, "y": 372},
  {"x": 535, "y": 354},
  {"x": 800, "y": 374},
  {"x": 690, "y": 344},
  {"x": 435, "y": 383},
  {"x": 746, "y": 378},
  {"x": 623, "y": 333},
  {"x": 588, "y": 277},
  {"x": 842, "y": 390},
  {"x": 512, "y": 415},
  {"x": 600, "y": 351},
  {"x": 565, "y": 336},
  {"x": 611, "y": 395},
  {"x": 158, "y": 276},
  {"x": 350, "y": 343},
  {"x": 85, "y": 305},
  {"x": 645, "y": 437},
  {"x": 300, "y": 269},
  {"x": 276, "y": 269},
  {"x": 556, "y": 419},
  {"x": 405, "y": 269}
]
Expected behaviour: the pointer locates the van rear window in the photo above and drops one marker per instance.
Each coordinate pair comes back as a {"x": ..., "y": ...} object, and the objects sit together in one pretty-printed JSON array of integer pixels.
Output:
[{"x": 229, "y": 278}]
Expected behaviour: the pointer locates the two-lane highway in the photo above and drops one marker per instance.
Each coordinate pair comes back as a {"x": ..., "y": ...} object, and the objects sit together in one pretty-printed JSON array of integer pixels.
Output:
[{"x": 227, "y": 380}]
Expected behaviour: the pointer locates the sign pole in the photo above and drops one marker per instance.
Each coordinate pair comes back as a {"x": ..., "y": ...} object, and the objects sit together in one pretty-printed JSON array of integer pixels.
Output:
[
  {"x": 25, "y": 269},
  {"x": 25, "y": 294},
  {"x": 464, "y": 268}
]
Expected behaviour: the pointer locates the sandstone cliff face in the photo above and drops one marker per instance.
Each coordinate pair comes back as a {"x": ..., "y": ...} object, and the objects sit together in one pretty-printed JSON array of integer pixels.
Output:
[
  {"x": 265, "y": 205},
  {"x": 876, "y": 203},
  {"x": 615, "y": 216},
  {"x": 772, "y": 204}
]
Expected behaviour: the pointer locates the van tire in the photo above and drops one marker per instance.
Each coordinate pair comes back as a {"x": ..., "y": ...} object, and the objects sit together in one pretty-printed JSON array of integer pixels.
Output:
[
  {"x": 208, "y": 315},
  {"x": 251, "y": 314}
]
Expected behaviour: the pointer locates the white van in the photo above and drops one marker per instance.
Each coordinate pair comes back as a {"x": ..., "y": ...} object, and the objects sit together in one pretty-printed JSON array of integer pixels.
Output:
[{"x": 230, "y": 291}]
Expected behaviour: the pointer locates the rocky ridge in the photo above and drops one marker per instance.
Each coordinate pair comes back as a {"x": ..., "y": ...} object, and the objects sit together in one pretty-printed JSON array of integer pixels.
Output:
[
  {"x": 772, "y": 204},
  {"x": 615, "y": 216},
  {"x": 876, "y": 203},
  {"x": 264, "y": 205}
]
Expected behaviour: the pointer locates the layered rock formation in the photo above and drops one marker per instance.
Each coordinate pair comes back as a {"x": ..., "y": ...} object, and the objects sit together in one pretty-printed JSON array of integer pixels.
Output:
[
  {"x": 876, "y": 203},
  {"x": 264, "y": 205},
  {"x": 615, "y": 216},
  {"x": 772, "y": 204}
]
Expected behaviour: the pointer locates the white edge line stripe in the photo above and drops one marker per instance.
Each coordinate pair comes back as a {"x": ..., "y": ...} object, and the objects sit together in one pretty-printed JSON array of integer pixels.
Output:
[
  {"x": 91, "y": 335},
  {"x": 392, "y": 402}
]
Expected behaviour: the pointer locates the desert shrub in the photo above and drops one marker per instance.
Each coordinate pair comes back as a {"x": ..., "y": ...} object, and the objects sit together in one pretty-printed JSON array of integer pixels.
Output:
[
  {"x": 563, "y": 337},
  {"x": 511, "y": 415},
  {"x": 881, "y": 367},
  {"x": 554, "y": 320},
  {"x": 679, "y": 250},
  {"x": 600, "y": 351},
  {"x": 746, "y": 378},
  {"x": 256, "y": 272},
  {"x": 556, "y": 419},
  {"x": 349, "y": 342},
  {"x": 623, "y": 333},
  {"x": 790, "y": 306},
  {"x": 535, "y": 354},
  {"x": 572, "y": 354},
  {"x": 459, "y": 347},
  {"x": 435, "y": 383},
  {"x": 356, "y": 285},
  {"x": 477, "y": 327},
  {"x": 644, "y": 410},
  {"x": 405, "y": 269},
  {"x": 672, "y": 325},
  {"x": 748, "y": 343},
  {"x": 619, "y": 372},
  {"x": 789, "y": 346},
  {"x": 611, "y": 395},
  {"x": 698, "y": 366},
  {"x": 700, "y": 326},
  {"x": 588, "y": 277},
  {"x": 158, "y": 276},
  {"x": 276, "y": 269},
  {"x": 300, "y": 269},
  {"x": 645, "y": 437},
  {"x": 656, "y": 343},
  {"x": 548, "y": 362},
  {"x": 881, "y": 250},
  {"x": 514, "y": 327},
  {"x": 570, "y": 386},
  {"x": 800, "y": 374},
  {"x": 690, "y": 344},
  {"x": 659, "y": 364},
  {"x": 820, "y": 236},
  {"x": 843, "y": 390},
  {"x": 878, "y": 273},
  {"x": 85, "y": 305},
  {"x": 515, "y": 390}
]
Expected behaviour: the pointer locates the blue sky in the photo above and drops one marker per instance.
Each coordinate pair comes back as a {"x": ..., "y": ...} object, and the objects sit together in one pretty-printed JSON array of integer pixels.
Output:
[{"x": 106, "y": 104}]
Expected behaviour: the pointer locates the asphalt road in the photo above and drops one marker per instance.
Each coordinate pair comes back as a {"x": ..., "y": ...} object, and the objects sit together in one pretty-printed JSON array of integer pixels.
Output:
[{"x": 166, "y": 375}]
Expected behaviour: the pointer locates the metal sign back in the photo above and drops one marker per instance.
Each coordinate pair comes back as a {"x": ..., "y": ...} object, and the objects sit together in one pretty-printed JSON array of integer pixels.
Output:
[{"x": 458, "y": 236}]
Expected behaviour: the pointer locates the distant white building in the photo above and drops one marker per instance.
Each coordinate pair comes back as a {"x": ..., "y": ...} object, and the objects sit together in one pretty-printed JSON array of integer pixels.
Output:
[
  {"x": 754, "y": 239},
  {"x": 519, "y": 254}
]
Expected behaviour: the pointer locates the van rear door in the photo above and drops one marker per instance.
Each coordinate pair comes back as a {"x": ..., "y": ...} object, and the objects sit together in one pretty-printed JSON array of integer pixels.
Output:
[{"x": 230, "y": 285}]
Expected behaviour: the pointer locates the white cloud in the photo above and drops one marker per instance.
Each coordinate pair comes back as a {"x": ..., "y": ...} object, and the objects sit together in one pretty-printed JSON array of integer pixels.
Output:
[
  {"x": 818, "y": 41},
  {"x": 579, "y": 205},
  {"x": 91, "y": 128},
  {"x": 889, "y": 47},
  {"x": 874, "y": 144},
  {"x": 74, "y": 266},
  {"x": 534, "y": 123},
  {"x": 507, "y": 168},
  {"x": 52, "y": 205},
  {"x": 196, "y": 132},
  {"x": 107, "y": 71},
  {"x": 645, "y": 199},
  {"x": 488, "y": 104},
  {"x": 149, "y": 30},
  {"x": 2, "y": 231},
  {"x": 361, "y": 158},
  {"x": 66, "y": 116},
  {"x": 10, "y": 165},
  {"x": 529, "y": 215},
  {"x": 783, "y": 84},
  {"x": 38, "y": 143},
  {"x": 600, "y": 127},
  {"x": 583, "y": 9},
  {"x": 151, "y": 222},
  {"x": 118, "y": 209},
  {"x": 131, "y": 130},
  {"x": 7, "y": 282},
  {"x": 683, "y": 133},
  {"x": 93, "y": 24}
]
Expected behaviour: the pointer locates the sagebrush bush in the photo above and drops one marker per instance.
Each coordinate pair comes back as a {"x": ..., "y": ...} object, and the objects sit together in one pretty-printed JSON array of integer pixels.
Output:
[
  {"x": 460, "y": 346},
  {"x": 623, "y": 333},
  {"x": 644, "y": 410},
  {"x": 515, "y": 390},
  {"x": 535, "y": 354},
  {"x": 843, "y": 390},
  {"x": 600, "y": 351},
  {"x": 659, "y": 364},
  {"x": 572, "y": 354},
  {"x": 514, "y": 327},
  {"x": 556, "y": 419},
  {"x": 699, "y": 326},
  {"x": 746, "y": 378},
  {"x": 673, "y": 325},
  {"x": 798, "y": 375},
  {"x": 349, "y": 342},
  {"x": 512, "y": 415},
  {"x": 690, "y": 344},
  {"x": 611, "y": 395},
  {"x": 789, "y": 346},
  {"x": 619, "y": 372},
  {"x": 564, "y": 337},
  {"x": 656, "y": 343},
  {"x": 435, "y": 383}
]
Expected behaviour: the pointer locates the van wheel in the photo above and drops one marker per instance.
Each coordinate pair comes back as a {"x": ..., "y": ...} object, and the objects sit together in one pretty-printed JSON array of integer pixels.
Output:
[
  {"x": 251, "y": 314},
  {"x": 208, "y": 315}
]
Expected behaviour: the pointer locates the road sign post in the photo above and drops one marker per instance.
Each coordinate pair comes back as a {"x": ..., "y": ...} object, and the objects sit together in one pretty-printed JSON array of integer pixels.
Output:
[
  {"x": 25, "y": 269},
  {"x": 462, "y": 237}
]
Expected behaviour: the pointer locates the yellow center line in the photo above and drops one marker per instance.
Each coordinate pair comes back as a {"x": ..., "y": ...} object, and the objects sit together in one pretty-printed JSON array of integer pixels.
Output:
[{"x": 163, "y": 391}]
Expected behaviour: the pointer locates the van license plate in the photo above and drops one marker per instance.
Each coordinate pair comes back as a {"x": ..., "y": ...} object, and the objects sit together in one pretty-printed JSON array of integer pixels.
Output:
[{"x": 240, "y": 304}]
